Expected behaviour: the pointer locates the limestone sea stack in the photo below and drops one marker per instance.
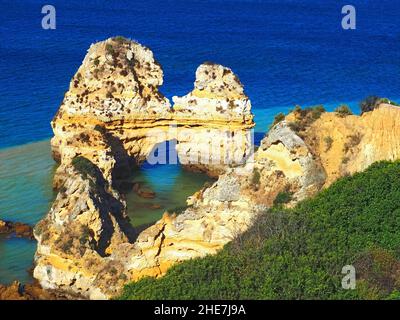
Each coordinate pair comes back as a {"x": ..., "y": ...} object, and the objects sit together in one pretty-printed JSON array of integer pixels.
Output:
[
  {"x": 116, "y": 91},
  {"x": 112, "y": 117},
  {"x": 218, "y": 96}
]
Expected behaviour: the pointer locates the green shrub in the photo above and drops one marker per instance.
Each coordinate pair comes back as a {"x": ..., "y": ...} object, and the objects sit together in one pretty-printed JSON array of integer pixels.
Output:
[
  {"x": 387, "y": 101},
  {"x": 299, "y": 253},
  {"x": 306, "y": 117},
  {"x": 328, "y": 143},
  {"x": 296, "y": 109},
  {"x": 283, "y": 197},
  {"x": 310, "y": 114},
  {"x": 369, "y": 104},
  {"x": 296, "y": 126},
  {"x": 255, "y": 179},
  {"x": 343, "y": 110},
  {"x": 372, "y": 102},
  {"x": 120, "y": 39},
  {"x": 353, "y": 141},
  {"x": 316, "y": 111},
  {"x": 85, "y": 234},
  {"x": 85, "y": 167},
  {"x": 67, "y": 245},
  {"x": 109, "y": 49},
  {"x": 100, "y": 128},
  {"x": 278, "y": 118}
]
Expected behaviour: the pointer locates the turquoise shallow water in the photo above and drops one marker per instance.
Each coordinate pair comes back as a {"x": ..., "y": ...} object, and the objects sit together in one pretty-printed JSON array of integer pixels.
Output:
[
  {"x": 26, "y": 194},
  {"x": 172, "y": 186}
]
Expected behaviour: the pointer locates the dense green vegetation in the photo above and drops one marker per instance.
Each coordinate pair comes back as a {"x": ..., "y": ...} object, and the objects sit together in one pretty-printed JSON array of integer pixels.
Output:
[
  {"x": 283, "y": 197},
  {"x": 299, "y": 253}
]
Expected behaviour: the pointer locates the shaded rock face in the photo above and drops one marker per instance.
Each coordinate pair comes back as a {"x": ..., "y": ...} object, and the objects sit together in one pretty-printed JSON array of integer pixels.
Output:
[
  {"x": 86, "y": 223},
  {"x": 286, "y": 160},
  {"x": 114, "y": 115}
]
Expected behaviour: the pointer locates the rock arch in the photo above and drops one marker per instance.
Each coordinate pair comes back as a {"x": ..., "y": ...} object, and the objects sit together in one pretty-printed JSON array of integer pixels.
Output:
[{"x": 117, "y": 89}]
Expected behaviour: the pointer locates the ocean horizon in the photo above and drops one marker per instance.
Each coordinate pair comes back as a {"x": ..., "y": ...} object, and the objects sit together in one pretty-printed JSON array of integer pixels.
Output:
[{"x": 284, "y": 52}]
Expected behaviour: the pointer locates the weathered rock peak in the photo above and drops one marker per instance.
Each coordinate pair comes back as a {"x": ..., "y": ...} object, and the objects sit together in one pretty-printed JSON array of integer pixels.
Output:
[
  {"x": 118, "y": 79},
  {"x": 217, "y": 91}
]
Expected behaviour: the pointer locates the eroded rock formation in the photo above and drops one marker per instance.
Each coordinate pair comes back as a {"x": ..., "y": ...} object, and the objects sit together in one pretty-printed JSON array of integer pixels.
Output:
[
  {"x": 116, "y": 91},
  {"x": 114, "y": 115}
]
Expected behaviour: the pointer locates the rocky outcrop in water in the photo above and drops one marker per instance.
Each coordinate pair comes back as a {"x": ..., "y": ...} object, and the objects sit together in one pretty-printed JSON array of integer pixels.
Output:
[
  {"x": 18, "y": 229},
  {"x": 86, "y": 223},
  {"x": 18, "y": 291}
]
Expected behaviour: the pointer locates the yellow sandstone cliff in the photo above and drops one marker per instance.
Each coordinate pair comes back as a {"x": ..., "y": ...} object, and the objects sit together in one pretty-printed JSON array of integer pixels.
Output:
[{"x": 357, "y": 141}]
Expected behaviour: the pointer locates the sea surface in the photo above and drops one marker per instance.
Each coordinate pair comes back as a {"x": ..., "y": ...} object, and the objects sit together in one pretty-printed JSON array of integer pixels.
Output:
[
  {"x": 285, "y": 52},
  {"x": 25, "y": 195}
]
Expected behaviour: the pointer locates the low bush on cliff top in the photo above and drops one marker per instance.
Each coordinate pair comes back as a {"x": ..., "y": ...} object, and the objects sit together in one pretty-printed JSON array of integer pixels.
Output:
[
  {"x": 278, "y": 118},
  {"x": 309, "y": 114},
  {"x": 299, "y": 253},
  {"x": 343, "y": 110},
  {"x": 305, "y": 117},
  {"x": 372, "y": 102}
]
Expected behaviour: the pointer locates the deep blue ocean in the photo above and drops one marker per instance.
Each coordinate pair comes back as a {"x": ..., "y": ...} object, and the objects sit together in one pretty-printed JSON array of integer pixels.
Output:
[{"x": 285, "y": 52}]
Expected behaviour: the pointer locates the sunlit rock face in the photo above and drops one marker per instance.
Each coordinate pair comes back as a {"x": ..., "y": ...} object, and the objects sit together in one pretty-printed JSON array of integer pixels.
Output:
[
  {"x": 357, "y": 141},
  {"x": 219, "y": 105}
]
